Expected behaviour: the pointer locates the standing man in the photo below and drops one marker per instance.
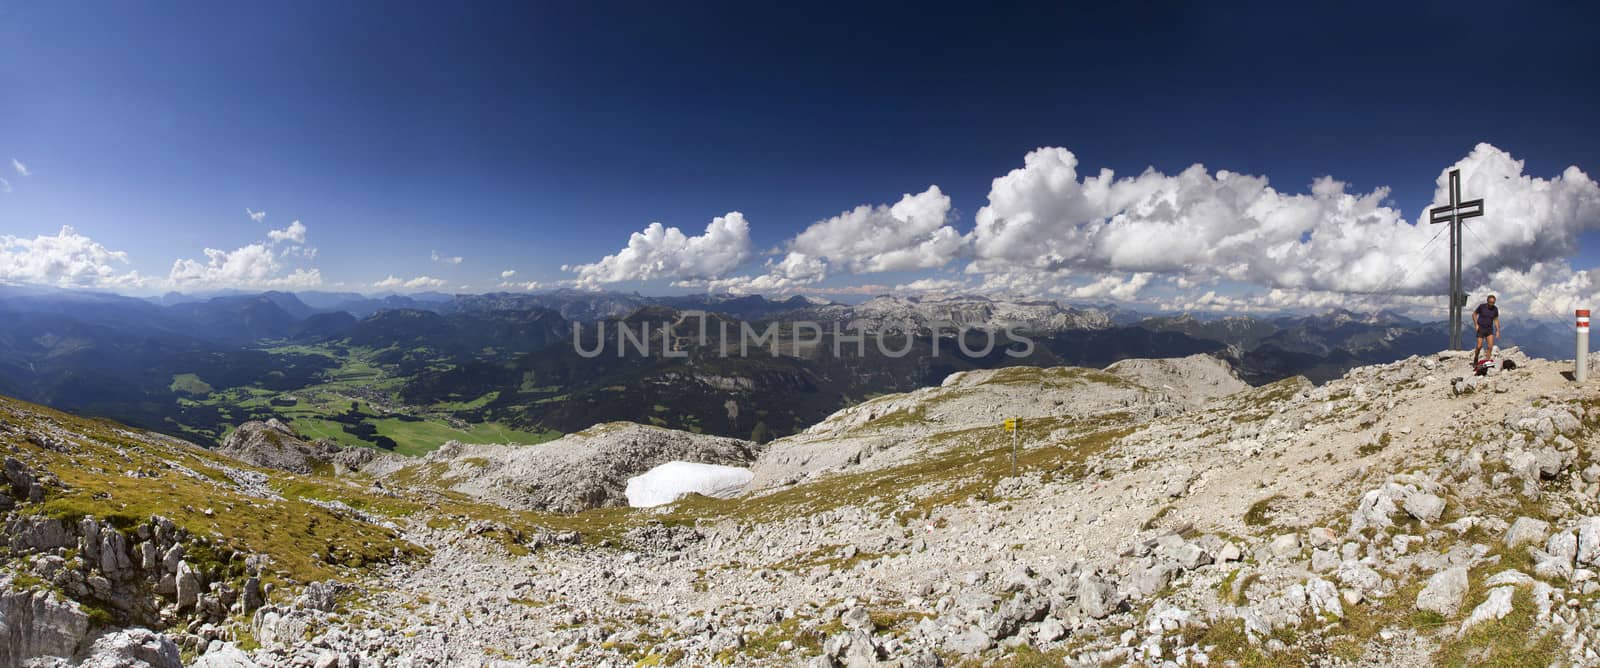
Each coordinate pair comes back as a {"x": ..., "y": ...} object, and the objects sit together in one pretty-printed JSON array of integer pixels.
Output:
[{"x": 1487, "y": 318}]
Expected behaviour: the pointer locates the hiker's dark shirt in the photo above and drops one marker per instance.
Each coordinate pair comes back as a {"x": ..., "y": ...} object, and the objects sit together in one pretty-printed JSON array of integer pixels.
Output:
[{"x": 1486, "y": 315}]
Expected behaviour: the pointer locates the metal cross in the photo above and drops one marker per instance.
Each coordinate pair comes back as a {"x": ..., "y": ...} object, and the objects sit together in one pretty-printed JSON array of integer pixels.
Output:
[{"x": 1454, "y": 213}]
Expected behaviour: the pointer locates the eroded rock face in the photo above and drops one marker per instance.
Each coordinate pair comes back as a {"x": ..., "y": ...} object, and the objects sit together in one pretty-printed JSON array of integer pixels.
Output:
[
  {"x": 272, "y": 444},
  {"x": 36, "y": 624},
  {"x": 137, "y": 575},
  {"x": 132, "y": 648},
  {"x": 25, "y": 484},
  {"x": 37, "y": 534},
  {"x": 901, "y": 428},
  {"x": 589, "y": 469},
  {"x": 1192, "y": 379},
  {"x": 225, "y": 655}
]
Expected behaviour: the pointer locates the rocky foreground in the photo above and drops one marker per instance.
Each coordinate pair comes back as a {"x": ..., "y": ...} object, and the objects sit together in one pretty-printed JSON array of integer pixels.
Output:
[{"x": 1162, "y": 513}]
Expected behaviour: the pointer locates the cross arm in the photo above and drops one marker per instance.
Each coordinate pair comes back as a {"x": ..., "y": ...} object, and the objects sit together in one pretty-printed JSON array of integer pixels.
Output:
[{"x": 1462, "y": 211}]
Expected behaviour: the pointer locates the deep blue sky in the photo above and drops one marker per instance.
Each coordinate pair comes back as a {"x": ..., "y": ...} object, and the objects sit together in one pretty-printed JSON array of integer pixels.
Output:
[{"x": 528, "y": 135}]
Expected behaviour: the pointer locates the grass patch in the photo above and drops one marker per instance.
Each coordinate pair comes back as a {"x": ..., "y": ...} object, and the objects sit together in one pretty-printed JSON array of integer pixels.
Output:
[
  {"x": 1260, "y": 513},
  {"x": 1229, "y": 643},
  {"x": 290, "y": 531},
  {"x": 420, "y": 438},
  {"x": 1155, "y": 520},
  {"x": 188, "y": 383},
  {"x": 1513, "y": 641},
  {"x": 979, "y": 459},
  {"x": 1375, "y": 447},
  {"x": 1022, "y": 656}
]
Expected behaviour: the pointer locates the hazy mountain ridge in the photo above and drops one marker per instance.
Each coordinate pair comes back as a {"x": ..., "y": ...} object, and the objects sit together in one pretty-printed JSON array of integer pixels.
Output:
[
  {"x": 894, "y": 314},
  {"x": 195, "y": 367}
]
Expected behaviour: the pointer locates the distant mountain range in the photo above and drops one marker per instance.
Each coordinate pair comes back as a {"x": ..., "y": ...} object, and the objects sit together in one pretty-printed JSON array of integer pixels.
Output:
[{"x": 168, "y": 363}]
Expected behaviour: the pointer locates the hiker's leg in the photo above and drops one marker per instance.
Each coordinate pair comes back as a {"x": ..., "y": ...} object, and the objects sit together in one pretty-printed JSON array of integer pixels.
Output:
[
  {"x": 1475, "y": 350},
  {"x": 1490, "y": 341}
]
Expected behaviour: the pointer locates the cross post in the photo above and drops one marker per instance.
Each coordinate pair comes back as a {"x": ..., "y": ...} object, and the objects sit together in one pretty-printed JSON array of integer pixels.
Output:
[{"x": 1455, "y": 213}]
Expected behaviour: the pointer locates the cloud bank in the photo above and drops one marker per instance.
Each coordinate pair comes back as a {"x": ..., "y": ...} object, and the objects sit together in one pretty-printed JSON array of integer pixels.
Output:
[
  {"x": 1236, "y": 227},
  {"x": 911, "y": 234},
  {"x": 66, "y": 260},
  {"x": 660, "y": 252},
  {"x": 252, "y": 266},
  {"x": 294, "y": 233},
  {"x": 418, "y": 283}
]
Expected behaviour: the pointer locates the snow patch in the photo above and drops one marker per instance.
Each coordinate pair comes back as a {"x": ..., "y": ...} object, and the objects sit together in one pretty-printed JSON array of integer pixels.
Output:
[{"x": 667, "y": 482}]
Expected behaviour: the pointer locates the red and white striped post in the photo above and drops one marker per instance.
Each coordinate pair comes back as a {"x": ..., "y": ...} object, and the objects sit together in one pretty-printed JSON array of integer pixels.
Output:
[{"x": 1580, "y": 371}]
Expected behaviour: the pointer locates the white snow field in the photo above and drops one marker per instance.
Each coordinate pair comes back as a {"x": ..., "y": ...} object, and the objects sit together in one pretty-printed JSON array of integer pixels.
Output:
[{"x": 665, "y": 483}]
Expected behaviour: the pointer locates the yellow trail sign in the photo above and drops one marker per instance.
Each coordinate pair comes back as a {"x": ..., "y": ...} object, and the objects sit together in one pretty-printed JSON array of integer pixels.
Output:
[{"x": 1011, "y": 424}]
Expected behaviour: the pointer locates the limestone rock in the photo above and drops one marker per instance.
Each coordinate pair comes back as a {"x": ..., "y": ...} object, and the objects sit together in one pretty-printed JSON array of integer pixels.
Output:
[
  {"x": 1323, "y": 598},
  {"x": 225, "y": 655},
  {"x": 38, "y": 624},
  {"x": 188, "y": 586},
  {"x": 1196, "y": 377},
  {"x": 588, "y": 469},
  {"x": 1377, "y": 508},
  {"x": 1589, "y": 541},
  {"x": 37, "y": 534},
  {"x": 1424, "y": 506},
  {"x": 319, "y": 596},
  {"x": 857, "y": 619},
  {"x": 1285, "y": 546},
  {"x": 273, "y": 445},
  {"x": 132, "y": 648},
  {"x": 1444, "y": 591},
  {"x": 1497, "y": 606},
  {"x": 1527, "y": 530},
  {"x": 1097, "y": 596},
  {"x": 251, "y": 597}
]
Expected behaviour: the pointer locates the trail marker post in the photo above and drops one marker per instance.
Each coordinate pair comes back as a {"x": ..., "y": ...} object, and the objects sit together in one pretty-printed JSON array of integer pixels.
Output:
[
  {"x": 1011, "y": 426},
  {"x": 1580, "y": 365},
  {"x": 1454, "y": 213}
]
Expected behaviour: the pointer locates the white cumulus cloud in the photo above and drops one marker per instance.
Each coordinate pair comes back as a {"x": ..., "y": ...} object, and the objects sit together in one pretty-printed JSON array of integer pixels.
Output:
[
  {"x": 1112, "y": 286},
  {"x": 908, "y": 235},
  {"x": 911, "y": 234},
  {"x": 294, "y": 233},
  {"x": 1232, "y": 226},
  {"x": 257, "y": 216},
  {"x": 418, "y": 283},
  {"x": 1544, "y": 291},
  {"x": 794, "y": 271},
  {"x": 932, "y": 285},
  {"x": 22, "y": 169},
  {"x": 508, "y": 273},
  {"x": 68, "y": 259},
  {"x": 252, "y": 266},
  {"x": 447, "y": 259},
  {"x": 528, "y": 286},
  {"x": 660, "y": 252}
]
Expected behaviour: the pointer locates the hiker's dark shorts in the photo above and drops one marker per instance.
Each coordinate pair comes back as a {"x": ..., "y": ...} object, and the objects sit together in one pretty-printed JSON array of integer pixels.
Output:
[{"x": 1482, "y": 332}]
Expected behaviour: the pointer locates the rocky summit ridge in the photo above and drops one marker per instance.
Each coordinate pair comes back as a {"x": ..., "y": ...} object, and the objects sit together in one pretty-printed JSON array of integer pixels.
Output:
[{"x": 1162, "y": 513}]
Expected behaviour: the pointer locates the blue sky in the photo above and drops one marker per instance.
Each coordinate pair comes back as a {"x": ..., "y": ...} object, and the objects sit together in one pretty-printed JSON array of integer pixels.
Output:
[{"x": 530, "y": 136}]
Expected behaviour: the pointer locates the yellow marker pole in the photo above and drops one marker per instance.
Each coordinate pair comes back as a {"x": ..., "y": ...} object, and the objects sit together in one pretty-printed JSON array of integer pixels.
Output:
[{"x": 1011, "y": 426}]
